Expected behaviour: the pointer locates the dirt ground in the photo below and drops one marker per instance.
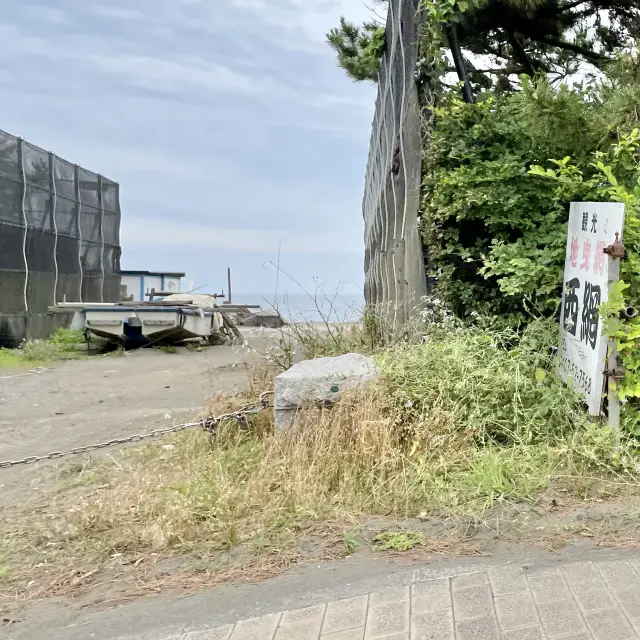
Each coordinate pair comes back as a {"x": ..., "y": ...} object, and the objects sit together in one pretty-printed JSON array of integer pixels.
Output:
[
  {"x": 77, "y": 403},
  {"x": 83, "y": 402}
]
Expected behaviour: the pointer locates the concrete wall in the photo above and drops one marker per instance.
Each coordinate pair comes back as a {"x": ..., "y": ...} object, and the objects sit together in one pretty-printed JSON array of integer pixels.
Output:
[{"x": 394, "y": 262}]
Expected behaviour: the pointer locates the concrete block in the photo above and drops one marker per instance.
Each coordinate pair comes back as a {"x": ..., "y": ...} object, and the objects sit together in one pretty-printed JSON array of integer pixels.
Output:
[
  {"x": 515, "y": 610},
  {"x": 606, "y": 625},
  {"x": 345, "y": 614},
  {"x": 475, "y": 602},
  {"x": 430, "y": 596},
  {"x": 322, "y": 380},
  {"x": 388, "y": 619}
]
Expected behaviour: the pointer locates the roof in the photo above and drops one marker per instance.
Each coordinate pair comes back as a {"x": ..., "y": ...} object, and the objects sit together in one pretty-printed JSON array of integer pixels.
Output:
[{"x": 174, "y": 274}]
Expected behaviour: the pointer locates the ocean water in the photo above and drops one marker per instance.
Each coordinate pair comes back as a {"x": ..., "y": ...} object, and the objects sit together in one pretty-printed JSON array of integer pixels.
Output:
[{"x": 304, "y": 308}]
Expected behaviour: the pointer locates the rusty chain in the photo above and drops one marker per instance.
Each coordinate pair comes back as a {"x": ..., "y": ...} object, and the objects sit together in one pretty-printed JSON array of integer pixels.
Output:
[{"x": 208, "y": 424}]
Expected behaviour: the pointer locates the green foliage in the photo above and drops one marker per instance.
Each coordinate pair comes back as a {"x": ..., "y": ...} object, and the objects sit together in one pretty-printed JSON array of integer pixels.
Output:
[
  {"x": 64, "y": 344},
  {"x": 494, "y": 235},
  {"x": 489, "y": 380},
  {"x": 518, "y": 36},
  {"x": 359, "y": 48},
  {"x": 397, "y": 540}
]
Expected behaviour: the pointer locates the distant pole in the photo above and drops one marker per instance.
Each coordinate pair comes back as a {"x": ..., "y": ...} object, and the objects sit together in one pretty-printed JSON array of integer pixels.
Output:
[{"x": 229, "y": 284}]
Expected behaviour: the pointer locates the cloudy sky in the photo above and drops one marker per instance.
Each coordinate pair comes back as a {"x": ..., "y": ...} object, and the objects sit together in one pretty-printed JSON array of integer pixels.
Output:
[{"x": 226, "y": 122}]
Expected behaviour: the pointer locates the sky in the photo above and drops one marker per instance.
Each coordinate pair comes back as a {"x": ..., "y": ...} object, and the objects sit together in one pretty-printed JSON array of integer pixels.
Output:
[{"x": 235, "y": 138}]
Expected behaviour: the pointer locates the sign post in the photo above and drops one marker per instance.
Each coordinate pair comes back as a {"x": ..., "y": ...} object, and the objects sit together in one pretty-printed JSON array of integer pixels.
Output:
[{"x": 591, "y": 266}]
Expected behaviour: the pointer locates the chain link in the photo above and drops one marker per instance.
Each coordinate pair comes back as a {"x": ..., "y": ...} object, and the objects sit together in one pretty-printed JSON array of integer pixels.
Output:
[{"x": 209, "y": 424}]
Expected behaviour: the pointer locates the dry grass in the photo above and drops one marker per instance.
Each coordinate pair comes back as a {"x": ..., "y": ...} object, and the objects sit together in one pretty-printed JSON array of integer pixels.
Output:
[{"x": 455, "y": 429}]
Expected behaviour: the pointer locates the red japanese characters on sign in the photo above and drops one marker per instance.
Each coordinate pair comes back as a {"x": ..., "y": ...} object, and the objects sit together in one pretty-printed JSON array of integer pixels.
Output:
[
  {"x": 586, "y": 255},
  {"x": 599, "y": 259},
  {"x": 574, "y": 252}
]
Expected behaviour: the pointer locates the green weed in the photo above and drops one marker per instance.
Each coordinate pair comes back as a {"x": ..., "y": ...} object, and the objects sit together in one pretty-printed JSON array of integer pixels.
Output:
[
  {"x": 351, "y": 541},
  {"x": 397, "y": 540}
]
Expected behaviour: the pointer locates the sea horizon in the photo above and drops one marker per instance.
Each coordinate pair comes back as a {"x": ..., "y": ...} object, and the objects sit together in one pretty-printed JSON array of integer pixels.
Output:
[{"x": 300, "y": 307}]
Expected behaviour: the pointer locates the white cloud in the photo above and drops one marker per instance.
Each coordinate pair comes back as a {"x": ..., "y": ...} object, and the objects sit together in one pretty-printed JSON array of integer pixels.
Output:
[
  {"x": 167, "y": 233},
  {"x": 152, "y": 72},
  {"x": 50, "y": 15},
  {"x": 117, "y": 13},
  {"x": 226, "y": 122}
]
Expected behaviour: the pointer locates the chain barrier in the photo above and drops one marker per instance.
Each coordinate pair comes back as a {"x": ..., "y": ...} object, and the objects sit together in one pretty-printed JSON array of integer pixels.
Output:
[{"x": 209, "y": 424}]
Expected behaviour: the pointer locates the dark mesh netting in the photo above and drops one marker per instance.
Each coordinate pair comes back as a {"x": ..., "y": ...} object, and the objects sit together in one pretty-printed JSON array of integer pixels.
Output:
[{"x": 59, "y": 239}]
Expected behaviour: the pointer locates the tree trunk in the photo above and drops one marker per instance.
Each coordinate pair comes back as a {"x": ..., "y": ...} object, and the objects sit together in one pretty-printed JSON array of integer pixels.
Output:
[{"x": 458, "y": 61}]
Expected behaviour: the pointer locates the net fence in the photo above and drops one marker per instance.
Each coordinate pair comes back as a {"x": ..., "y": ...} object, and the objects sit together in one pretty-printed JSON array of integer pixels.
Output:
[
  {"x": 394, "y": 262},
  {"x": 59, "y": 238}
]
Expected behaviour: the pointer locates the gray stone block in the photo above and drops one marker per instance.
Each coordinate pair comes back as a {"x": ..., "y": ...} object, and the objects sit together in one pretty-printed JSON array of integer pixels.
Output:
[
  {"x": 482, "y": 629},
  {"x": 506, "y": 580},
  {"x": 619, "y": 576},
  {"x": 515, "y": 610},
  {"x": 345, "y": 614},
  {"x": 387, "y": 619},
  {"x": 322, "y": 380},
  {"x": 432, "y": 626},
  {"x": 432, "y": 595},
  {"x": 349, "y": 634},
  {"x": 561, "y": 618},
  {"x": 263, "y": 628},
  {"x": 582, "y": 577},
  {"x": 595, "y": 600},
  {"x": 475, "y": 602},
  {"x": 220, "y": 633},
  {"x": 548, "y": 586},
  {"x": 477, "y": 579},
  {"x": 296, "y": 616},
  {"x": 606, "y": 625},
  {"x": 392, "y": 594},
  {"x": 527, "y": 633}
]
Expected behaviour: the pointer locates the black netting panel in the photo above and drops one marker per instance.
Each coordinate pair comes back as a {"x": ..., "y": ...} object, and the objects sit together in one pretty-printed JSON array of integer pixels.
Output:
[
  {"x": 91, "y": 259},
  {"x": 38, "y": 208},
  {"x": 68, "y": 257},
  {"x": 12, "y": 291},
  {"x": 39, "y": 247},
  {"x": 111, "y": 228},
  {"x": 89, "y": 223},
  {"x": 111, "y": 196},
  {"x": 89, "y": 186},
  {"x": 66, "y": 217},
  {"x": 11, "y": 240},
  {"x": 36, "y": 166},
  {"x": 92, "y": 287},
  {"x": 9, "y": 164},
  {"x": 10, "y": 201},
  {"x": 64, "y": 173},
  {"x": 59, "y": 238}
]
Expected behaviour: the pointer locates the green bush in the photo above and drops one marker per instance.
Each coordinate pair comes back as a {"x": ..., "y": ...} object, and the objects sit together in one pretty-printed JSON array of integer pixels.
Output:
[
  {"x": 494, "y": 387},
  {"x": 494, "y": 234}
]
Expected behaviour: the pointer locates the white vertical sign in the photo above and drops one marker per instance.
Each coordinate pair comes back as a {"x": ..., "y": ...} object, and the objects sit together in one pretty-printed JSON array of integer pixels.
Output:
[{"x": 583, "y": 347}]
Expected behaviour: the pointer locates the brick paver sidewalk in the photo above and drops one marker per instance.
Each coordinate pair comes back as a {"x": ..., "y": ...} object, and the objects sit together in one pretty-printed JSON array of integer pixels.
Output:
[{"x": 577, "y": 601}]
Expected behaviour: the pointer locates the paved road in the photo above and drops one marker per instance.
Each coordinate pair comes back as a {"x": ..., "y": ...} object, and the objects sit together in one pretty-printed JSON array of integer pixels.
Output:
[
  {"x": 579, "y": 594},
  {"x": 575, "y": 601}
]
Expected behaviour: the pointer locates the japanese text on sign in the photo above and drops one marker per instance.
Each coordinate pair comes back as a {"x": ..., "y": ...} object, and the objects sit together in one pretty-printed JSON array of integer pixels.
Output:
[{"x": 583, "y": 348}]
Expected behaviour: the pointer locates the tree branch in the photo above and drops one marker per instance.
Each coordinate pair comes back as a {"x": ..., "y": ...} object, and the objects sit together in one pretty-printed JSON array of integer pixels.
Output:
[
  {"x": 569, "y": 6},
  {"x": 569, "y": 46},
  {"x": 520, "y": 54}
]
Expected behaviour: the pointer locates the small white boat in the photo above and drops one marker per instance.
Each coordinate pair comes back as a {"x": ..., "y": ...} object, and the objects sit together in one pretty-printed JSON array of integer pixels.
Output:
[{"x": 174, "y": 319}]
